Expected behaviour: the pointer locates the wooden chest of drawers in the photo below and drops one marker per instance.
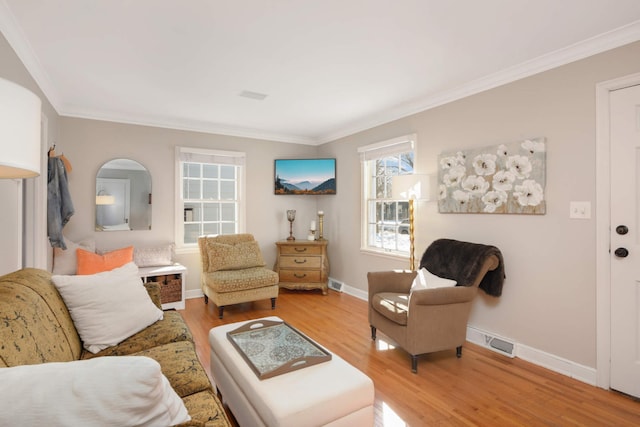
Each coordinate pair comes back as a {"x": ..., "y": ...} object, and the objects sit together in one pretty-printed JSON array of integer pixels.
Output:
[{"x": 303, "y": 264}]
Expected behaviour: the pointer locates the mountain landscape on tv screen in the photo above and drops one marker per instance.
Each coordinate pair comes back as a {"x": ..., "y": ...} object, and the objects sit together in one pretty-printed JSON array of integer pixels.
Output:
[{"x": 306, "y": 187}]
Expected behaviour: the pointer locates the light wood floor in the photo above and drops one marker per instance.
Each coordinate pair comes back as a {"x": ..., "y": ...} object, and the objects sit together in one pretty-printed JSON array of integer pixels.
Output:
[{"x": 482, "y": 388}]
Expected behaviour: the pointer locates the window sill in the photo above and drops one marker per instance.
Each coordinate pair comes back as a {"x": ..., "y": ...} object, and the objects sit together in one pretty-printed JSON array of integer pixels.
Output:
[
  {"x": 187, "y": 249},
  {"x": 385, "y": 254}
]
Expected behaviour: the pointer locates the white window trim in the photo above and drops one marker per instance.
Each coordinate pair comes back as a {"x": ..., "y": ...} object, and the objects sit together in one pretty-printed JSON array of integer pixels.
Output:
[
  {"x": 232, "y": 157},
  {"x": 373, "y": 151}
]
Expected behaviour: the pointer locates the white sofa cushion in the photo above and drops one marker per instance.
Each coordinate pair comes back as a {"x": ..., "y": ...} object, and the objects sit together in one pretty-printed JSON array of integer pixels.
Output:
[
  {"x": 427, "y": 280},
  {"x": 66, "y": 261},
  {"x": 107, "y": 307},
  {"x": 154, "y": 256},
  {"x": 104, "y": 391}
]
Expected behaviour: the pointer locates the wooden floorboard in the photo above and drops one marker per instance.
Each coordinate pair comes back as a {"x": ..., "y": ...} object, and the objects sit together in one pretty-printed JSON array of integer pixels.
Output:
[{"x": 482, "y": 388}]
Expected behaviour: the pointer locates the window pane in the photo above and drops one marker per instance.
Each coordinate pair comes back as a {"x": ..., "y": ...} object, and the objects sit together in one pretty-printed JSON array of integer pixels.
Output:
[
  {"x": 380, "y": 187},
  {"x": 211, "y": 228},
  {"x": 191, "y": 189},
  {"x": 229, "y": 228},
  {"x": 210, "y": 171},
  {"x": 228, "y": 211},
  {"x": 211, "y": 212},
  {"x": 192, "y": 170},
  {"x": 406, "y": 163},
  {"x": 227, "y": 190},
  {"x": 210, "y": 190},
  {"x": 392, "y": 165},
  {"x": 191, "y": 233},
  {"x": 227, "y": 172}
]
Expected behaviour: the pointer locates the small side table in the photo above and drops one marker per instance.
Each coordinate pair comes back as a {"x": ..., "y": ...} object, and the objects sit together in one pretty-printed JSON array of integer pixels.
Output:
[
  {"x": 303, "y": 264},
  {"x": 172, "y": 279}
]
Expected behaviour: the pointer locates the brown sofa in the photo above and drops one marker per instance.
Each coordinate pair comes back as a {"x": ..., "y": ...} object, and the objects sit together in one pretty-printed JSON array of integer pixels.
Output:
[{"x": 36, "y": 327}]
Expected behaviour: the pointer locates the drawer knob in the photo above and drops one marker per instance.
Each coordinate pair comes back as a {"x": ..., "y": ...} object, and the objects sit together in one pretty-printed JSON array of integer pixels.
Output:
[
  {"x": 300, "y": 276},
  {"x": 297, "y": 261}
]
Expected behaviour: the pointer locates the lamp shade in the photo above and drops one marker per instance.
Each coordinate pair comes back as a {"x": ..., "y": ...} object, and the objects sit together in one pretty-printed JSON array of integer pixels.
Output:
[
  {"x": 410, "y": 187},
  {"x": 104, "y": 198},
  {"x": 20, "y": 149}
]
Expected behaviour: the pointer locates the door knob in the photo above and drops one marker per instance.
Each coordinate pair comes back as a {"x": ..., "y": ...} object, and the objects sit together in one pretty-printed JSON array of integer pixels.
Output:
[
  {"x": 621, "y": 252},
  {"x": 622, "y": 229}
]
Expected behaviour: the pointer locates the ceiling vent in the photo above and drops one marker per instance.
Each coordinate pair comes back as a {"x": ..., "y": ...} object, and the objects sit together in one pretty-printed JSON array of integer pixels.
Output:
[{"x": 253, "y": 95}]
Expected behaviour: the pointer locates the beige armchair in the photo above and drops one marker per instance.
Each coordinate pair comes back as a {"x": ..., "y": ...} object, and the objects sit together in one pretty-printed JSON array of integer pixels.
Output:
[
  {"x": 433, "y": 319},
  {"x": 233, "y": 271}
]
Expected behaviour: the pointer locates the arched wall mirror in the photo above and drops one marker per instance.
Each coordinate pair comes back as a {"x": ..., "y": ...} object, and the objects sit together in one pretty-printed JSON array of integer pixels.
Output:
[{"x": 123, "y": 196}]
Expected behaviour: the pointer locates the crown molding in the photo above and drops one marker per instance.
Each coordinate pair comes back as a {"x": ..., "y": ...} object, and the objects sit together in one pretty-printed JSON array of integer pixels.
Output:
[
  {"x": 18, "y": 41},
  {"x": 610, "y": 40},
  {"x": 184, "y": 125}
]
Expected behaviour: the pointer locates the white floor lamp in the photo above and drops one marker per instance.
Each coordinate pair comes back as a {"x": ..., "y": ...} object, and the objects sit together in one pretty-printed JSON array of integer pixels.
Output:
[
  {"x": 411, "y": 187},
  {"x": 19, "y": 131}
]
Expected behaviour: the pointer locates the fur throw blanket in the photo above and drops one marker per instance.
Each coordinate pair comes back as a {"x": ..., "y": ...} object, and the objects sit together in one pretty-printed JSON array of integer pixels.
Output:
[{"x": 462, "y": 262}]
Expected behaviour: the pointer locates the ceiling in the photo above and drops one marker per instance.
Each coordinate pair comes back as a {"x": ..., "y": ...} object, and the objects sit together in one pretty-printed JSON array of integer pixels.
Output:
[{"x": 328, "y": 68}]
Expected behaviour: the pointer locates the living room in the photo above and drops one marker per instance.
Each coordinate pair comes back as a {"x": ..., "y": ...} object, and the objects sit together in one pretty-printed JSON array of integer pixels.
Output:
[{"x": 554, "y": 296}]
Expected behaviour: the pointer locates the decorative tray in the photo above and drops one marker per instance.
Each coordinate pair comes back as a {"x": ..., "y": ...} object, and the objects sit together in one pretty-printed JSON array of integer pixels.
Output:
[{"x": 273, "y": 348}]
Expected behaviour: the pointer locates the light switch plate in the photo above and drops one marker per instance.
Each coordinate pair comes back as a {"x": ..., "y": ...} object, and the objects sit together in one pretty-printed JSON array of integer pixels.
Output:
[{"x": 580, "y": 210}]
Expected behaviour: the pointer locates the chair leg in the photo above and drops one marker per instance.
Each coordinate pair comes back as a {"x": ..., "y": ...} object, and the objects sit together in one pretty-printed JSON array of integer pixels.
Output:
[
  {"x": 273, "y": 303},
  {"x": 206, "y": 299},
  {"x": 414, "y": 363},
  {"x": 373, "y": 333},
  {"x": 220, "y": 310},
  {"x": 459, "y": 352}
]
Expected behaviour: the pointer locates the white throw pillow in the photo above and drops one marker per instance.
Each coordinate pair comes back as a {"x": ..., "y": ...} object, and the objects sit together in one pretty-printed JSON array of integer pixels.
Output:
[
  {"x": 154, "y": 256},
  {"x": 426, "y": 280},
  {"x": 65, "y": 261},
  {"x": 104, "y": 391},
  {"x": 107, "y": 307}
]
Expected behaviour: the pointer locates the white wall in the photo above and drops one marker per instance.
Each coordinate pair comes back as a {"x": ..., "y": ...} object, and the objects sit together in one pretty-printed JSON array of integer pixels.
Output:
[{"x": 549, "y": 298}]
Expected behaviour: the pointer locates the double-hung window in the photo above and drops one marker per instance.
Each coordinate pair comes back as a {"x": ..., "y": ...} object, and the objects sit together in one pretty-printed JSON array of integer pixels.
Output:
[
  {"x": 210, "y": 195},
  {"x": 385, "y": 221}
]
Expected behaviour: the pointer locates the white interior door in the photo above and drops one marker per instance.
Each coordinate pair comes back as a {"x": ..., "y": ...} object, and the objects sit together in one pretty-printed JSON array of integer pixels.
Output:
[{"x": 625, "y": 240}]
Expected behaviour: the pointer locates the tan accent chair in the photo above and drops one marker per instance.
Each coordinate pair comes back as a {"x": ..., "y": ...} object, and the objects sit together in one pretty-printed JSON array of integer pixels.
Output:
[
  {"x": 428, "y": 320},
  {"x": 233, "y": 271}
]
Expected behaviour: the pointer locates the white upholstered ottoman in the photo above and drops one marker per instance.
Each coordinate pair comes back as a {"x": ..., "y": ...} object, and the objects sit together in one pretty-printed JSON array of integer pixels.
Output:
[{"x": 331, "y": 393}]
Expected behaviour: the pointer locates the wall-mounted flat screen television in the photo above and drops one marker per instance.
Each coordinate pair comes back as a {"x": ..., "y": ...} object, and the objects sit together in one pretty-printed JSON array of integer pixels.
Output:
[{"x": 305, "y": 176}]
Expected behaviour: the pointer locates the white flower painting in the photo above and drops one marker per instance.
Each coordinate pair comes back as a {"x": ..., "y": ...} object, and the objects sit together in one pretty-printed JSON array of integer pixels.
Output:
[{"x": 507, "y": 179}]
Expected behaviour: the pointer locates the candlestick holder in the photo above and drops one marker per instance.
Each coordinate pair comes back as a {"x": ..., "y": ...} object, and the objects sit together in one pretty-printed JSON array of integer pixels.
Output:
[
  {"x": 291, "y": 216},
  {"x": 320, "y": 225}
]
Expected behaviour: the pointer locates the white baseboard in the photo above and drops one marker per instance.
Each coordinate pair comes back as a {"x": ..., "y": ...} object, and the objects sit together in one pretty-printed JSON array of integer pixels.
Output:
[
  {"x": 193, "y": 293},
  {"x": 538, "y": 357},
  {"x": 557, "y": 364},
  {"x": 355, "y": 292}
]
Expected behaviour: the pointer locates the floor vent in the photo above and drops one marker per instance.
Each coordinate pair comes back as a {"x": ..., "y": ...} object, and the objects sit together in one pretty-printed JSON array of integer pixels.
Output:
[
  {"x": 500, "y": 345},
  {"x": 335, "y": 285},
  {"x": 492, "y": 342}
]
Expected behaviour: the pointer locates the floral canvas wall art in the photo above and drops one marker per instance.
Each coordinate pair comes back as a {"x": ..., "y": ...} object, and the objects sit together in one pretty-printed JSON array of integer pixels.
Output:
[{"x": 505, "y": 178}]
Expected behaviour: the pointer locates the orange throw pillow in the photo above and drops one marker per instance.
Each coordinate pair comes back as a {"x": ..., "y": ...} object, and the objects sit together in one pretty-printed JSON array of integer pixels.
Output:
[{"x": 91, "y": 263}]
